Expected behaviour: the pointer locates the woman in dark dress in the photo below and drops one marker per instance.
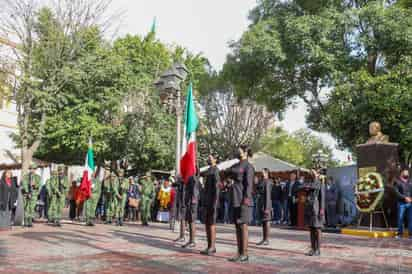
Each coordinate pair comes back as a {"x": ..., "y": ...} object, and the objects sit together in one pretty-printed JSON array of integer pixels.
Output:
[
  {"x": 315, "y": 211},
  {"x": 242, "y": 174},
  {"x": 7, "y": 192},
  {"x": 264, "y": 191},
  {"x": 191, "y": 200},
  {"x": 211, "y": 200}
]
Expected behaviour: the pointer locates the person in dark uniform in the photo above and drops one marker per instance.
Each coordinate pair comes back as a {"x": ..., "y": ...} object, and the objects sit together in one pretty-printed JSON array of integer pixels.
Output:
[
  {"x": 315, "y": 211},
  {"x": 331, "y": 203},
  {"x": 292, "y": 190},
  {"x": 242, "y": 174},
  {"x": 180, "y": 209},
  {"x": 191, "y": 201},
  {"x": 210, "y": 207},
  {"x": 264, "y": 191}
]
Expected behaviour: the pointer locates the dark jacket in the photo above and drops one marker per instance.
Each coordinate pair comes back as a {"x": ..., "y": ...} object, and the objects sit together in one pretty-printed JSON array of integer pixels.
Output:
[
  {"x": 403, "y": 190},
  {"x": 242, "y": 174},
  {"x": 276, "y": 193},
  {"x": 192, "y": 192},
  {"x": 314, "y": 204},
  {"x": 264, "y": 193},
  {"x": 212, "y": 189},
  {"x": 8, "y": 195},
  {"x": 295, "y": 188}
]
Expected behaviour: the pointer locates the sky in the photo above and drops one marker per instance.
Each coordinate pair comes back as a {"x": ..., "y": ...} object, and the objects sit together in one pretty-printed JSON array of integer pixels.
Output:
[{"x": 202, "y": 26}]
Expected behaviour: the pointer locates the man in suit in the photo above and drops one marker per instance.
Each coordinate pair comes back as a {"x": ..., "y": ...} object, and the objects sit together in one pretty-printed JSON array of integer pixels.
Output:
[{"x": 292, "y": 189}]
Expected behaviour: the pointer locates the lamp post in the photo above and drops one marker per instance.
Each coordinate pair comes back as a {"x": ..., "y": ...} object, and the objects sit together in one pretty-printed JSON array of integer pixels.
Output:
[
  {"x": 169, "y": 87},
  {"x": 319, "y": 159}
]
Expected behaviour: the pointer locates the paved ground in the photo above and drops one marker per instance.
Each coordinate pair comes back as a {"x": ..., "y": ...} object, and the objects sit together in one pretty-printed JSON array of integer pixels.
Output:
[{"x": 75, "y": 248}]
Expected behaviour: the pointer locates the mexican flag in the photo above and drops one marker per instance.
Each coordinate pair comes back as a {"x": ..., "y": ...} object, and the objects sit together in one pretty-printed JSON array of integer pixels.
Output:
[
  {"x": 85, "y": 189},
  {"x": 188, "y": 159}
]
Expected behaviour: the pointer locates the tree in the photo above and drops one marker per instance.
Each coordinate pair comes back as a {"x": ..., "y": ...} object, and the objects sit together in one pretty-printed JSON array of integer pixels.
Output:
[
  {"x": 342, "y": 58},
  {"x": 297, "y": 148},
  {"x": 49, "y": 40},
  {"x": 230, "y": 122},
  {"x": 150, "y": 138}
]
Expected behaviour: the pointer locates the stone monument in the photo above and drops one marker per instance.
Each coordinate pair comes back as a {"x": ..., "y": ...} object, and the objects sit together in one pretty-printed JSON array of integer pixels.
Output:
[{"x": 380, "y": 156}]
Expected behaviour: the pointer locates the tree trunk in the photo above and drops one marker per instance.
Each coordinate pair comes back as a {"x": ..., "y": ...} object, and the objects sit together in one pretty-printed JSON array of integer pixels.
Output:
[{"x": 26, "y": 158}]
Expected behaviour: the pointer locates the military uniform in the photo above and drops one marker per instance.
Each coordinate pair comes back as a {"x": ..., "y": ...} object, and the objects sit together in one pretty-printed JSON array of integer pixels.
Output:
[
  {"x": 243, "y": 175},
  {"x": 148, "y": 192},
  {"x": 111, "y": 202},
  {"x": 91, "y": 203},
  {"x": 57, "y": 186},
  {"x": 31, "y": 187},
  {"x": 121, "y": 195},
  {"x": 315, "y": 213},
  {"x": 212, "y": 193},
  {"x": 264, "y": 205},
  {"x": 192, "y": 191},
  {"x": 210, "y": 206}
]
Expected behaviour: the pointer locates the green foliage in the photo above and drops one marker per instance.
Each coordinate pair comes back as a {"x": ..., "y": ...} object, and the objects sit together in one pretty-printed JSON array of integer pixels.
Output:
[
  {"x": 109, "y": 96},
  {"x": 296, "y": 148},
  {"x": 151, "y": 138},
  {"x": 347, "y": 60}
]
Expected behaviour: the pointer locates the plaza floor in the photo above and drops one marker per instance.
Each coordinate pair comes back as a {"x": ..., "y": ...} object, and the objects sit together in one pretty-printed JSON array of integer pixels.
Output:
[{"x": 132, "y": 248}]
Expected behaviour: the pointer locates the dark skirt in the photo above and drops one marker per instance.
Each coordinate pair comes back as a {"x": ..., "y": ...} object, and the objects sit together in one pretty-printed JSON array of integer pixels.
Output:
[
  {"x": 266, "y": 217},
  {"x": 313, "y": 218},
  {"x": 210, "y": 215},
  {"x": 191, "y": 214},
  {"x": 241, "y": 215}
]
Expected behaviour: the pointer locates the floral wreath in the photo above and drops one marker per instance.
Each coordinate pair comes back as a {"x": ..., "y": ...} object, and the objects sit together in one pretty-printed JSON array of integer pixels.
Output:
[{"x": 369, "y": 192}]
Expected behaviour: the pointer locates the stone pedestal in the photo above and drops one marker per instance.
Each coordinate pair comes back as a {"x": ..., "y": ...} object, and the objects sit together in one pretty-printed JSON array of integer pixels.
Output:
[{"x": 384, "y": 159}]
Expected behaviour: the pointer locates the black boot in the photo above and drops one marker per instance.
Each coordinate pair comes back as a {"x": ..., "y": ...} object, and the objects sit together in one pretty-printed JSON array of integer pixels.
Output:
[
  {"x": 239, "y": 245},
  {"x": 317, "y": 242},
  {"x": 312, "y": 243}
]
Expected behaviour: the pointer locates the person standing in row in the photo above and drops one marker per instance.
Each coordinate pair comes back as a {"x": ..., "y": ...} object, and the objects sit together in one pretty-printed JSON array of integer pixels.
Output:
[
  {"x": 58, "y": 185},
  {"x": 148, "y": 192},
  {"x": 242, "y": 174},
  {"x": 403, "y": 193},
  {"x": 211, "y": 200},
  {"x": 315, "y": 211},
  {"x": 264, "y": 190},
  {"x": 121, "y": 195},
  {"x": 7, "y": 190},
  {"x": 91, "y": 203},
  {"x": 180, "y": 212},
  {"x": 277, "y": 201},
  {"x": 192, "y": 191},
  {"x": 110, "y": 183},
  {"x": 292, "y": 190},
  {"x": 31, "y": 188}
]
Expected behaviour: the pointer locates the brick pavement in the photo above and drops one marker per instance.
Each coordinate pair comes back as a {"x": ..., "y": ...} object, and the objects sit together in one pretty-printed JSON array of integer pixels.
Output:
[{"x": 75, "y": 248}]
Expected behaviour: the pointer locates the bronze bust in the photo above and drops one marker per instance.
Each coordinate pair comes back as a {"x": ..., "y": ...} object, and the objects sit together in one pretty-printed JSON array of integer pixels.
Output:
[{"x": 377, "y": 137}]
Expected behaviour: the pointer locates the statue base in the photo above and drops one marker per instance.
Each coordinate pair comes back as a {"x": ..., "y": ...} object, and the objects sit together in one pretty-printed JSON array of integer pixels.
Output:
[{"x": 384, "y": 159}]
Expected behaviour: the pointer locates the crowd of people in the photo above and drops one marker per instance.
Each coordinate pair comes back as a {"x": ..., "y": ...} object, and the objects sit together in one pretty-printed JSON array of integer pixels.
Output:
[{"x": 237, "y": 196}]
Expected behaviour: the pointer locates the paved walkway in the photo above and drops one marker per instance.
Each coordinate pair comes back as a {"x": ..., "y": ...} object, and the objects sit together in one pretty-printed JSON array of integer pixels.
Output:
[{"x": 75, "y": 248}]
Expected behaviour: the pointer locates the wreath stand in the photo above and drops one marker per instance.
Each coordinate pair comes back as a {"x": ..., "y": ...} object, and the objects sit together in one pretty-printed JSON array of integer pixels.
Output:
[{"x": 371, "y": 214}]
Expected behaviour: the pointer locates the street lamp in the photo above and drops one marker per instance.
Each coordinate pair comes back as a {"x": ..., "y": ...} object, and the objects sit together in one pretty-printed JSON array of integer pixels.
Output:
[
  {"x": 169, "y": 87},
  {"x": 320, "y": 160}
]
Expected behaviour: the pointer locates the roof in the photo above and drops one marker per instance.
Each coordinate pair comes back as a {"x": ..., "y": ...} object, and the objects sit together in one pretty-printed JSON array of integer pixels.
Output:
[{"x": 260, "y": 161}]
